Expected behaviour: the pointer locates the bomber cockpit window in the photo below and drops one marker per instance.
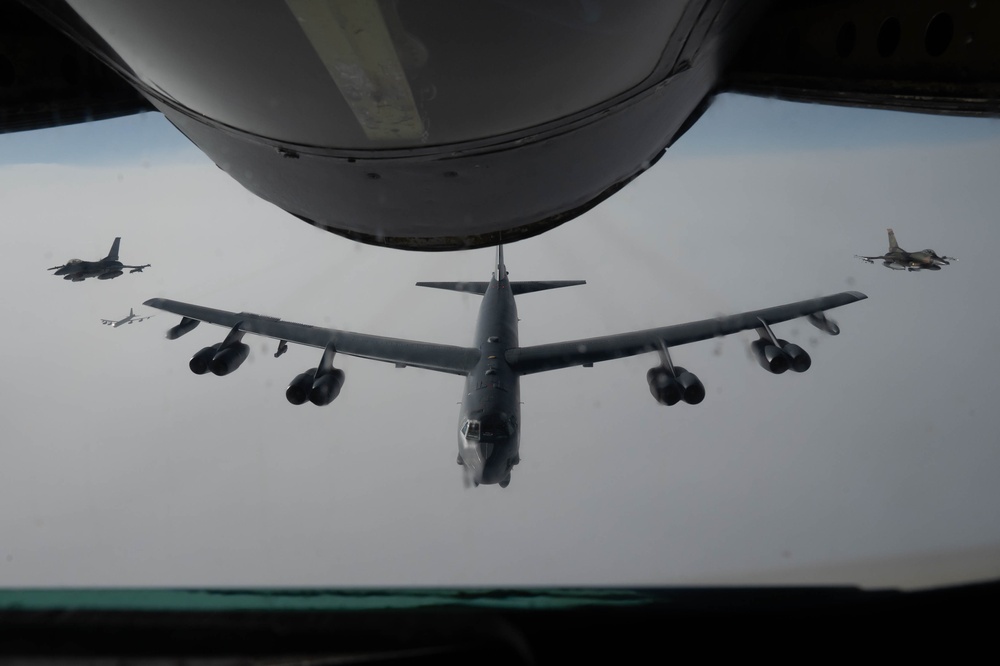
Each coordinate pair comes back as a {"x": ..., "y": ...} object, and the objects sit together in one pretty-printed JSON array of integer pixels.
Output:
[{"x": 470, "y": 430}]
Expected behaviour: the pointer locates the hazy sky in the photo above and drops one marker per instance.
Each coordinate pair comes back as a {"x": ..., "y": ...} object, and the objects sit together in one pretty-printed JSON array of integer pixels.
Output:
[{"x": 878, "y": 466}]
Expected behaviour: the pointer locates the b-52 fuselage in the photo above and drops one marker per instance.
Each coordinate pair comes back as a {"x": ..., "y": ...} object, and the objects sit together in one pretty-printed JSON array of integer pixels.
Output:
[
  {"x": 108, "y": 268},
  {"x": 490, "y": 416},
  {"x": 899, "y": 259}
]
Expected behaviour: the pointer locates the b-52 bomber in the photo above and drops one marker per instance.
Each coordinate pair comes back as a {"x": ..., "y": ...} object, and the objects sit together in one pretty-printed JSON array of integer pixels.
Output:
[
  {"x": 130, "y": 319},
  {"x": 899, "y": 259},
  {"x": 108, "y": 268},
  {"x": 490, "y": 418}
]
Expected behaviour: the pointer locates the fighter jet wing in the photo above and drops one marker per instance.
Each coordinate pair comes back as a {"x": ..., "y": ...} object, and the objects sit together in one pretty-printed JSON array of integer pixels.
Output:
[
  {"x": 427, "y": 355},
  {"x": 538, "y": 358}
]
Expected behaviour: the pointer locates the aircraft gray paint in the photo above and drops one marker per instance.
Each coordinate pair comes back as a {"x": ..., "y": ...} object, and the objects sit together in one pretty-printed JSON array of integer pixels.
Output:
[
  {"x": 124, "y": 320},
  {"x": 108, "y": 268},
  {"x": 490, "y": 416},
  {"x": 382, "y": 121},
  {"x": 899, "y": 259}
]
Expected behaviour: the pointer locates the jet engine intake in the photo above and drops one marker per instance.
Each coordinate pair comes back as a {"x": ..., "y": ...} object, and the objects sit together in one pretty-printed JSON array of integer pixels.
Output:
[
  {"x": 798, "y": 358},
  {"x": 298, "y": 389},
  {"x": 326, "y": 389},
  {"x": 663, "y": 386},
  {"x": 200, "y": 361},
  {"x": 229, "y": 358},
  {"x": 770, "y": 357},
  {"x": 321, "y": 390},
  {"x": 692, "y": 390}
]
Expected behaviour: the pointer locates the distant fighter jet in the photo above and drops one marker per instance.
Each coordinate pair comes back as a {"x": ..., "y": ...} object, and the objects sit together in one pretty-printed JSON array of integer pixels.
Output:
[
  {"x": 107, "y": 268},
  {"x": 899, "y": 259},
  {"x": 490, "y": 418},
  {"x": 126, "y": 320}
]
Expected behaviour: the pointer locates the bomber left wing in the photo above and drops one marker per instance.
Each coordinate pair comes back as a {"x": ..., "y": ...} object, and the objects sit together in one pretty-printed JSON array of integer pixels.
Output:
[
  {"x": 538, "y": 358},
  {"x": 427, "y": 355}
]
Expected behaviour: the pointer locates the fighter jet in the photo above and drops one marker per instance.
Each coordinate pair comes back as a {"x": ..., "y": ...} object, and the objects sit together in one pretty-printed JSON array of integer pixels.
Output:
[
  {"x": 108, "y": 268},
  {"x": 899, "y": 259},
  {"x": 489, "y": 421},
  {"x": 131, "y": 318}
]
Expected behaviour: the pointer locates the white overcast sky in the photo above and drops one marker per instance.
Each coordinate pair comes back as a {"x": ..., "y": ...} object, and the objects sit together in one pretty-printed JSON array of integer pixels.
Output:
[{"x": 118, "y": 466}]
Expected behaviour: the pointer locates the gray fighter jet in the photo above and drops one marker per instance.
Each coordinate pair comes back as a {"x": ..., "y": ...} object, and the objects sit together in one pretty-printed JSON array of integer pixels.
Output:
[
  {"x": 490, "y": 418},
  {"x": 108, "y": 268},
  {"x": 899, "y": 259}
]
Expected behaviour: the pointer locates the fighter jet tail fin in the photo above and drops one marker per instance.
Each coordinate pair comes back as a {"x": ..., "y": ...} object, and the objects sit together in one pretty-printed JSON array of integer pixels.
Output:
[
  {"x": 113, "y": 254},
  {"x": 893, "y": 246}
]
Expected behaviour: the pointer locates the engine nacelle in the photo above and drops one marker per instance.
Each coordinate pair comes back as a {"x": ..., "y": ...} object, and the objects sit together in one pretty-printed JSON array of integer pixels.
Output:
[
  {"x": 663, "y": 386},
  {"x": 326, "y": 389},
  {"x": 298, "y": 389},
  {"x": 692, "y": 390},
  {"x": 199, "y": 362},
  {"x": 771, "y": 358},
  {"x": 798, "y": 359},
  {"x": 229, "y": 358}
]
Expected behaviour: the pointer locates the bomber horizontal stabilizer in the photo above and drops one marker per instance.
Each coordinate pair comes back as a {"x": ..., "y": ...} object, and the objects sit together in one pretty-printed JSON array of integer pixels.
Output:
[
  {"x": 467, "y": 287},
  {"x": 516, "y": 288}
]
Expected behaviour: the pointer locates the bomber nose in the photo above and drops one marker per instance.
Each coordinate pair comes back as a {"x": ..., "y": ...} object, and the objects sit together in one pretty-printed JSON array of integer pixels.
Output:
[
  {"x": 475, "y": 458},
  {"x": 477, "y": 462},
  {"x": 485, "y": 450}
]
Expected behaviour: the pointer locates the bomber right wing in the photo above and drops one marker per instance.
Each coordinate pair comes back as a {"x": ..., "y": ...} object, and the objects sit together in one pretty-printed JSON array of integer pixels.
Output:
[{"x": 539, "y": 358}]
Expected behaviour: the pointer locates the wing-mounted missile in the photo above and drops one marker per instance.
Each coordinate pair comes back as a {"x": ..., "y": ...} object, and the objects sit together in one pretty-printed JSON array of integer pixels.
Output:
[
  {"x": 670, "y": 384},
  {"x": 775, "y": 355},
  {"x": 221, "y": 358},
  {"x": 823, "y": 323},
  {"x": 320, "y": 385},
  {"x": 186, "y": 326},
  {"x": 138, "y": 269}
]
